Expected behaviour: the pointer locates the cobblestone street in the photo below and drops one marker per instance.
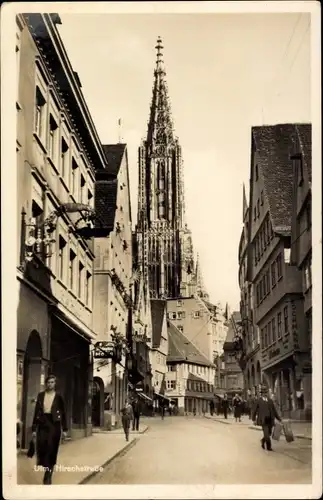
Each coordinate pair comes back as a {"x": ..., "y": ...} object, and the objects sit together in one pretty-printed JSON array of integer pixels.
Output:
[{"x": 197, "y": 450}]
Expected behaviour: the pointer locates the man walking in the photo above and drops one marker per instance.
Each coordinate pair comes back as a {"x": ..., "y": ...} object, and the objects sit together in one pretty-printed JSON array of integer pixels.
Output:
[
  {"x": 264, "y": 413},
  {"x": 225, "y": 406},
  {"x": 127, "y": 416},
  {"x": 136, "y": 414}
]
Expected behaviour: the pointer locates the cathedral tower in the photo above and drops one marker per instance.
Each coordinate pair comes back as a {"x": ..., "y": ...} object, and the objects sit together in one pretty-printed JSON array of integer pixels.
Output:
[{"x": 165, "y": 251}]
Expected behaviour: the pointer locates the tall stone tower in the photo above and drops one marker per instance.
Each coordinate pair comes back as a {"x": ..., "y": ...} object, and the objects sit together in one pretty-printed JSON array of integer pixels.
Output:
[{"x": 164, "y": 243}]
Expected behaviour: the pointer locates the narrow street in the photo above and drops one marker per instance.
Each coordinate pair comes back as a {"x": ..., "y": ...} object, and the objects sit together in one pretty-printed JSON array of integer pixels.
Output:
[{"x": 188, "y": 450}]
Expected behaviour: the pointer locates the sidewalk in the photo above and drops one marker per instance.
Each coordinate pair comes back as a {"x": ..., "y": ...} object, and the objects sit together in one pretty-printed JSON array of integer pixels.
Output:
[
  {"x": 301, "y": 430},
  {"x": 87, "y": 454}
]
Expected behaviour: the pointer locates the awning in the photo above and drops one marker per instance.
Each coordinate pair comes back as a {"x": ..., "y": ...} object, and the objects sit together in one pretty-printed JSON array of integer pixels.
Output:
[
  {"x": 144, "y": 396},
  {"x": 221, "y": 396},
  {"x": 162, "y": 396}
]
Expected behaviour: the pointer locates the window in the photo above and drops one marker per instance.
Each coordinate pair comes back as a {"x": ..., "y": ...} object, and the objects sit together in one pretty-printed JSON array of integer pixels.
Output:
[
  {"x": 73, "y": 186},
  {"x": 308, "y": 215},
  {"x": 88, "y": 288},
  {"x": 265, "y": 285},
  {"x": 256, "y": 172},
  {"x": 83, "y": 194},
  {"x": 279, "y": 266},
  {"x": 262, "y": 338},
  {"x": 81, "y": 280},
  {"x": 171, "y": 384},
  {"x": 173, "y": 315},
  {"x": 287, "y": 255},
  {"x": 265, "y": 337},
  {"x": 262, "y": 198},
  {"x": 268, "y": 281},
  {"x": 269, "y": 333},
  {"x": 39, "y": 112},
  {"x": 64, "y": 158},
  {"x": 196, "y": 314},
  {"x": 180, "y": 328},
  {"x": 179, "y": 303},
  {"x": 172, "y": 368},
  {"x": 52, "y": 139},
  {"x": 71, "y": 270},
  {"x": 258, "y": 294},
  {"x": 286, "y": 320},
  {"x": 261, "y": 242},
  {"x": 181, "y": 315},
  {"x": 273, "y": 274},
  {"x": 258, "y": 208},
  {"x": 61, "y": 257},
  {"x": 308, "y": 274},
  {"x": 273, "y": 329},
  {"x": 279, "y": 325}
]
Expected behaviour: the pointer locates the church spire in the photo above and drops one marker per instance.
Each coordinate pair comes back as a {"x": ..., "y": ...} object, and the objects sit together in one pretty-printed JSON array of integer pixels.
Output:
[
  {"x": 160, "y": 126},
  {"x": 200, "y": 290}
]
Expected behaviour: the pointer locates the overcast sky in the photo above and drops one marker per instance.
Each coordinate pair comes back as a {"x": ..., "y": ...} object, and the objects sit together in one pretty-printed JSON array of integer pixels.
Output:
[{"x": 225, "y": 73}]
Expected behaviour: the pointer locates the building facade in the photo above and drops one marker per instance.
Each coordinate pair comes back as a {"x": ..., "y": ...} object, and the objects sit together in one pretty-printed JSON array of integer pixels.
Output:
[
  {"x": 301, "y": 256},
  {"x": 190, "y": 376},
  {"x": 251, "y": 354},
  {"x": 112, "y": 281},
  {"x": 277, "y": 284},
  {"x": 165, "y": 249},
  {"x": 58, "y": 151}
]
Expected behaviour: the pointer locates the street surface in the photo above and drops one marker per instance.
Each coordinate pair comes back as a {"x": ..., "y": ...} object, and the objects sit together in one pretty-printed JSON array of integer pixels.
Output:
[{"x": 188, "y": 450}]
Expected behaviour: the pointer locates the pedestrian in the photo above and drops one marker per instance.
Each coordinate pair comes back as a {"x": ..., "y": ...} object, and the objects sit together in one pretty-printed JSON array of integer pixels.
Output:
[
  {"x": 48, "y": 423},
  {"x": 194, "y": 411},
  {"x": 163, "y": 412},
  {"x": 225, "y": 406},
  {"x": 211, "y": 408},
  {"x": 136, "y": 406},
  {"x": 127, "y": 417},
  {"x": 264, "y": 413},
  {"x": 237, "y": 407}
]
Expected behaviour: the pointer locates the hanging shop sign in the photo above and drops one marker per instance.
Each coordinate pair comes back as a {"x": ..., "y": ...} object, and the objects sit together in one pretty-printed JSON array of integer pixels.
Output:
[{"x": 103, "y": 350}]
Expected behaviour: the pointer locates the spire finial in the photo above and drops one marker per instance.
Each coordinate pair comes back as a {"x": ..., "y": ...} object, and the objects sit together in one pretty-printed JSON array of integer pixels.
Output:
[{"x": 159, "y": 48}]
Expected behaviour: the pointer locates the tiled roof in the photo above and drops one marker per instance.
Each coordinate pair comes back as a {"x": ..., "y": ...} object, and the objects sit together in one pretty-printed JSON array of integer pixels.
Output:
[
  {"x": 158, "y": 308},
  {"x": 105, "y": 202},
  {"x": 274, "y": 145},
  {"x": 304, "y": 132},
  {"x": 181, "y": 349},
  {"x": 114, "y": 154}
]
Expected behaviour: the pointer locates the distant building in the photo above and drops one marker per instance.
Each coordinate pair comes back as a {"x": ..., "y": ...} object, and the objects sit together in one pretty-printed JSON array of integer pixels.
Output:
[
  {"x": 159, "y": 352},
  {"x": 192, "y": 317},
  {"x": 231, "y": 375},
  {"x": 251, "y": 352},
  {"x": 190, "y": 376}
]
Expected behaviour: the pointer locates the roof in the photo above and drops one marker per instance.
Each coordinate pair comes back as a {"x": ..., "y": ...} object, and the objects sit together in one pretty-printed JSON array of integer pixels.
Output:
[
  {"x": 304, "y": 133},
  {"x": 181, "y": 349},
  {"x": 211, "y": 307},
  {"x": 106, "y": 202},
  {"x": 114, "y": 154},
  {"x": 158, "y": 308},
  {"x": 191, "y": 376},
  {"x": 274, "y": 145}
]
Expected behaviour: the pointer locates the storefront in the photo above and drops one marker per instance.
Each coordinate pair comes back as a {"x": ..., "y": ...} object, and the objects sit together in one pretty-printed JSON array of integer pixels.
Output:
[
  {"x": 282, "y": 384},
  {"x": 71, "y": 362}
]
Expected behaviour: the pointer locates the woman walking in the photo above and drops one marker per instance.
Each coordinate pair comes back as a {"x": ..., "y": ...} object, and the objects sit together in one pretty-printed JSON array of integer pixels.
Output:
[
  {"x": 237, "y": 405},
  {"x": 48, "y": 424},
  {"x": 127, "y": 417}
]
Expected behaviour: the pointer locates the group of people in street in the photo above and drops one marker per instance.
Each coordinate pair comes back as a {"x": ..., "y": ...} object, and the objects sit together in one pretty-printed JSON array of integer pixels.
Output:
[{"x": 130, "y": 412}]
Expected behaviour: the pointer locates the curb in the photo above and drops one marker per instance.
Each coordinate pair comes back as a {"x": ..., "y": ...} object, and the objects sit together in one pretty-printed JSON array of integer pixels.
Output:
[
  {"x": 220, "y": 421},
  {"x": 298, "y": 436},
  {"x": 120, "y": 431},
  {"x": 119, "y": 453}
]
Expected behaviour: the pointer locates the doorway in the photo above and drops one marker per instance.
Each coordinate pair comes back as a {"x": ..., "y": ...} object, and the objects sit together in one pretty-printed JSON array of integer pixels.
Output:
[
  {"x": 97, "y": 402},
  {"x": 31, "y": 383}
]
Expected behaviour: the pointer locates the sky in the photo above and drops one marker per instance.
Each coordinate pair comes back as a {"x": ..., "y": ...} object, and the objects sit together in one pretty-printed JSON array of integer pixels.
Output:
[{"x": 225, "y": 74}]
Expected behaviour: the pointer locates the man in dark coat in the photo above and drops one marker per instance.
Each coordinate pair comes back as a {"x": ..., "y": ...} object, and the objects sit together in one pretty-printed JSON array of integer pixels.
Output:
[
  {"x": 264, "y": 413},
  {"x": 136, "y": 406},
  {"x": 225, "y": 406}
]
